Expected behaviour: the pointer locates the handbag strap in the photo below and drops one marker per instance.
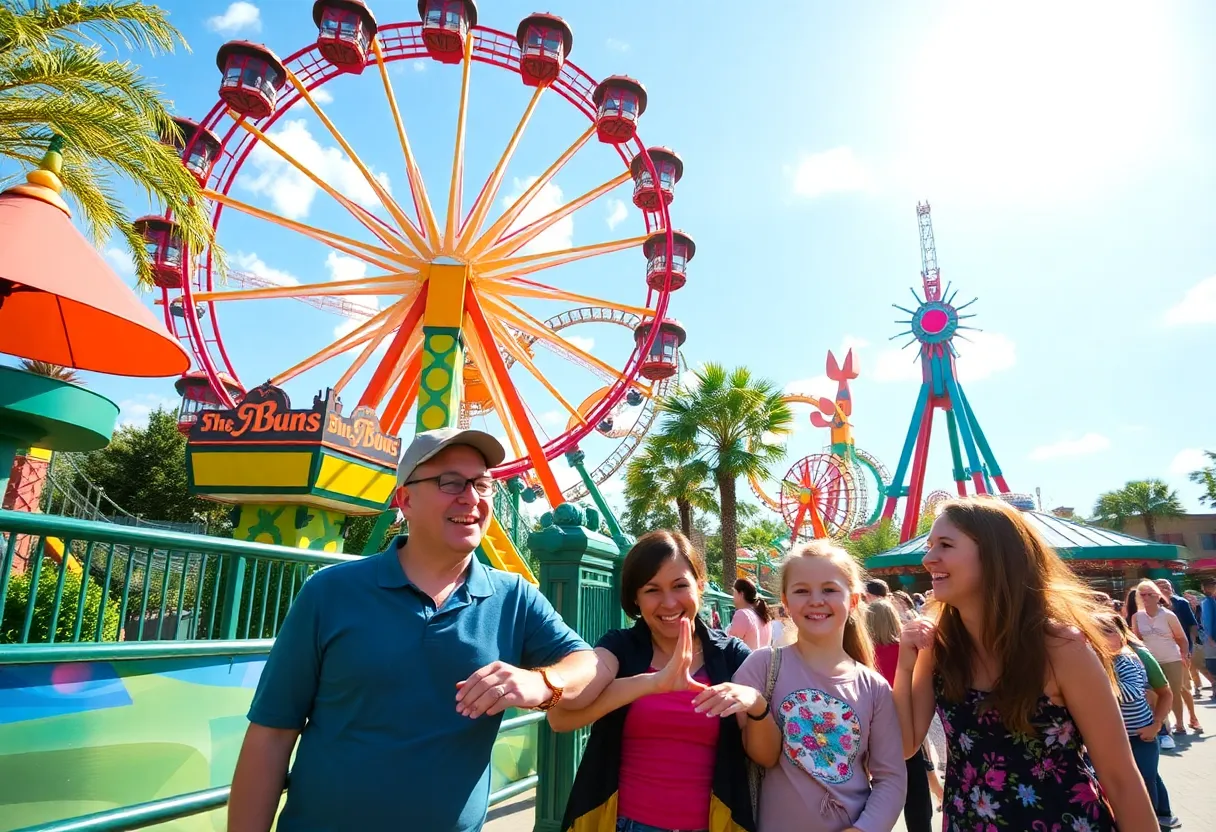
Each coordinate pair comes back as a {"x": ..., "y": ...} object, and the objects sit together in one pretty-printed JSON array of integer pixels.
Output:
[{"x": 774, "y": 668}]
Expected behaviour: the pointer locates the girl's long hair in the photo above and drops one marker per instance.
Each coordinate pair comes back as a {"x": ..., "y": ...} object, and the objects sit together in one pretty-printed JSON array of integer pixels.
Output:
[
  {"x": 856, "y": 635},
  {"x": 1028, "y": 592},
  {"x": 752, "y": 596}
]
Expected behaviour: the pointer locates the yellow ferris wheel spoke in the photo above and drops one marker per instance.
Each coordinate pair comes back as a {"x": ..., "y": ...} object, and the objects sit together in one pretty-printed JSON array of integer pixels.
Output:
[
  {"x": 513, "y": 348},
  {"x": 354, "y": 338},
  {"x": 390, "y": 261},
  {"x": 491, "y": 382},
  {"x": 489, "y": 191},
  {"x": 500, "y": 226},
  {"x": 456, "y": 190},
  {"x": 528, "y": 289},
  {"x": 390, "y": 284},
  {"x": 382, "y": 194},
  {"x": 422, "y": 203},
  {"x": 386, "y": 234},
  {"x": 513, "y": 243},
  {"x": 390, "y": 323},
  {"x": 524, "y": 322},
  {"x": 530, "y": 263}
]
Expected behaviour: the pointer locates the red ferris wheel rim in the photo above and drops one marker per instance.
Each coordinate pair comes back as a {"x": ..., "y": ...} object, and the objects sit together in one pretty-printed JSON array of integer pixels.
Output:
[
  {"x": 403, "y": 42},
  {"x": 832, "y": 497}
]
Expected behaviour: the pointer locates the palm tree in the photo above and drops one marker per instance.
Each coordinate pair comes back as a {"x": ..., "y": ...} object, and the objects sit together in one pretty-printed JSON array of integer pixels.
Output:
[
  {"x": 666, "y": 472},
  {"x": 1150, "y": 500},
  {"x": 733, "y": 419},
  {"x": 55, "y": 82},
  {"x": 881, "y": 538},
  {"x": 55, "y": 371},
  {"x": 1207, "y": 478}
]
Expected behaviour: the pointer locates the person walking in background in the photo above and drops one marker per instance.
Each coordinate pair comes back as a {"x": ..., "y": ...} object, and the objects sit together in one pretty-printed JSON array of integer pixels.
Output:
[
  {"x": 1198, "y": 668},
  {"x": 903, "y": 605},
  {"x": 875, "y": 588},
  {"x": 654, "y": 762},
  {"x": 829, "y": 736},
  {"x": 751, "y": 621},
  {"x": 1207, "y": 620},
  {"x": 1137, "y": 672},
  {"x": 1181, "y": 607},
  {"x": 1014, "y": 654},
  {"x": 1157, "y": 626},
  {"x": 884, "y": 626}
]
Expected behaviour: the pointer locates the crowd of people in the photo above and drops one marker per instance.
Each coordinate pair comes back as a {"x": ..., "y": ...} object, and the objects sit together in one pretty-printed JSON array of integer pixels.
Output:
[{"x": 1039, "y": 706}]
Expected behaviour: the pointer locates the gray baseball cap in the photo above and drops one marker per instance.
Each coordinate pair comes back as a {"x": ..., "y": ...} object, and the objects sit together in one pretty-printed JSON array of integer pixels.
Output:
[{"x": 429, "y": 443}]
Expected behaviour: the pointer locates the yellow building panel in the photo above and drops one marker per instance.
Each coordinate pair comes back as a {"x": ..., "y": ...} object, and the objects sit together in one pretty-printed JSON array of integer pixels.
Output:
[
  {"x": 354, "y": 479},
  {"x": 283, "y": 469}
]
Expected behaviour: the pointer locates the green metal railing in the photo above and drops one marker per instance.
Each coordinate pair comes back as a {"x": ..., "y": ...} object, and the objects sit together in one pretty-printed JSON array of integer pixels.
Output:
[{"x": 85, "y": 581}]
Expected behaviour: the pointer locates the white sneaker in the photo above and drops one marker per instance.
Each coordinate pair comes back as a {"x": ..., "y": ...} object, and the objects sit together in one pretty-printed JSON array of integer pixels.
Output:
[{"x": 1166, "y": 741}]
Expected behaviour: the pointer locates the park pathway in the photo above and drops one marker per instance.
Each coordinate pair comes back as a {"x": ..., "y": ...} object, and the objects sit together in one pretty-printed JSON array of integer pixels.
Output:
[{"x": 1188, "y": 773}]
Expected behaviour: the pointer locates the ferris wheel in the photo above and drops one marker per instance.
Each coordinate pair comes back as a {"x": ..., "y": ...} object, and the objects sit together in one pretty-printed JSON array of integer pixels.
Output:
[{"x": 456, "y": 303}]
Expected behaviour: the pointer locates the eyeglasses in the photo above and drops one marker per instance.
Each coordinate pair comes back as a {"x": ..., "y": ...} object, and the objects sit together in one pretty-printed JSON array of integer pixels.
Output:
[{"x": 456, "y": 484}]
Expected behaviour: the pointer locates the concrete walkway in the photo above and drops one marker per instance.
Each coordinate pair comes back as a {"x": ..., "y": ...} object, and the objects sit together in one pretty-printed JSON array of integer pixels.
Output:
[{"x": 1189, "y": 773}]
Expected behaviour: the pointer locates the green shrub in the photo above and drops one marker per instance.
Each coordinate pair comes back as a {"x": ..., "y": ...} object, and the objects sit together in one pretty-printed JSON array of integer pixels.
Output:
[{"x": 17, "y": 602}]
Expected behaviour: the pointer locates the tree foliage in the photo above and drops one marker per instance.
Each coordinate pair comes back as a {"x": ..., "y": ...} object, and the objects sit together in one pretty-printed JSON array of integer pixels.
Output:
[
  {"x": 668, "y": 473},
  {"x": 1148, "y": 500},
  {"x": 735, "y": 421},
  {"x": 1206, "y": 477},
  {"x": 143, "y": 470},
  {"x": 55, "y": 371},
  {"x": 55, "y": 81},
  {"x": 17, "y": 603},
  {"x": 882, "y": 538}
]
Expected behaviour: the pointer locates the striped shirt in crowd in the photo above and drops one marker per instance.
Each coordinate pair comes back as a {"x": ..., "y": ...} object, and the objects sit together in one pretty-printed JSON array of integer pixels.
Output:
[{"x": 1133, "y": 683}]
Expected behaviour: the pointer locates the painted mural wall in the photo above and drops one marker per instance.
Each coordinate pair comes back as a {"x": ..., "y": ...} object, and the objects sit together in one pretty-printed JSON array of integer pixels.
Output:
[{"x": 83, "y": 737}]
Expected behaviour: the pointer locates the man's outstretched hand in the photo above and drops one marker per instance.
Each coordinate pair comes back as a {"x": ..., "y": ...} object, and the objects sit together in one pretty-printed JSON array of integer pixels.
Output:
[{"x": 498, "y": 686}]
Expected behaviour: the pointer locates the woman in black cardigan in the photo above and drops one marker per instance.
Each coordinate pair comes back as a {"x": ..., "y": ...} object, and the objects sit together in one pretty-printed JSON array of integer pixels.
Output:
[{"x": 666, "y": 750}]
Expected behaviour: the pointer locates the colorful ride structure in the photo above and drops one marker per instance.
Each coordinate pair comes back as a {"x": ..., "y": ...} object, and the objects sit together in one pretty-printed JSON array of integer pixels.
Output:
[
  {"x": 933, "y": 324},
  {"x": 827, "y": 494},
  {"x": 443, "y": 328}
]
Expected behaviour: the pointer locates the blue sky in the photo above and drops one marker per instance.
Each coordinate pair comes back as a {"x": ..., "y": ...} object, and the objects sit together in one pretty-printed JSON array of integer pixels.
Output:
[{"x": 1065, "y": 149}]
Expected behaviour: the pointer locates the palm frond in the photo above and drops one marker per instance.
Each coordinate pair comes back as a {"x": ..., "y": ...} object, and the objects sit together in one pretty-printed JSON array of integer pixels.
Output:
[{"x": 40, "y": 24}]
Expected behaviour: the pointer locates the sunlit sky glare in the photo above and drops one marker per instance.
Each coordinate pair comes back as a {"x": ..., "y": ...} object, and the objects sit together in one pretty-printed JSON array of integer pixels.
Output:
[{"x": 1066, "y": 149}]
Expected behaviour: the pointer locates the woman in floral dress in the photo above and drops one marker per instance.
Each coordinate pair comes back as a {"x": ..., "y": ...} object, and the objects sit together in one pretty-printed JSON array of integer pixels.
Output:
[{"x": 1014, "y": 644}]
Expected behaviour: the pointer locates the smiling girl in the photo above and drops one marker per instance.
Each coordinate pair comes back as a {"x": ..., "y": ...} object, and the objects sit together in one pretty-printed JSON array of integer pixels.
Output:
[
  {"x": 660, "y": 755},
  {"x": 1013, "y": 655},
  {"x": 831, "y": 738}
]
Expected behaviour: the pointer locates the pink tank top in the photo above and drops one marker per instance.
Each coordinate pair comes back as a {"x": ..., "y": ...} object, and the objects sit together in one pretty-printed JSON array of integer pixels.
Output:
[{"x": 667, "y": 761}]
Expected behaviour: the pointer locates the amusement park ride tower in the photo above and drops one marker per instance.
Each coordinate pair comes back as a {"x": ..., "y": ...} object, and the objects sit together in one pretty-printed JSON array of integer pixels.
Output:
[{"x": 934, "y": 323}]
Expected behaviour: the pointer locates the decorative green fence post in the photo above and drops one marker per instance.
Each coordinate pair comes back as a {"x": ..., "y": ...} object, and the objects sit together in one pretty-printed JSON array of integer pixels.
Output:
[{"x": 576, "y": 575}]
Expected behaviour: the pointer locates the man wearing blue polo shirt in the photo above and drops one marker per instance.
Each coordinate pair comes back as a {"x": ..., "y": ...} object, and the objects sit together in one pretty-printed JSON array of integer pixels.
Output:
[{"x": 393, "y": 671}]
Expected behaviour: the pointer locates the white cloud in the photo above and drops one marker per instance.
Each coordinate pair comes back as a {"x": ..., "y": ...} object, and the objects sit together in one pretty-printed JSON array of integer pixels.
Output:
[
  {"x": 134, "y": 412},
  {"x": 833, "y": 171},
  {"x": 1198, "y": 305},
  {"x": 239, "y": 17},
  {"x": 553, "y": 418},
  {"x": 322, "y": 96},
  {"x": 815, "y": 386},
  {"x": 617, "y": 45},
  {"x": 419, "y": 66},
  {"x": 1090, "y": 443},
  {"x": 120, "y": 261},
  {"x": 342, "y": 267},
  {"x": 896, "y": 364},
  {"x": 1188, "y": 460},
  {"x": 558, "y": 236},
  {"x": 617, "y": 213},
  {"x": 853, "y": 342},
  {"x": 291, "y": 192},
  {"x": 250, "y": 262},
  {"x": 583, "y": 342},
  {"x": 986, "y": 354}
]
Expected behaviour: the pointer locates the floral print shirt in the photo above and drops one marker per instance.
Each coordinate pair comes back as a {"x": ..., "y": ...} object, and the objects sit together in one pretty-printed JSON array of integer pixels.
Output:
[{"x": 997, "y": 780}]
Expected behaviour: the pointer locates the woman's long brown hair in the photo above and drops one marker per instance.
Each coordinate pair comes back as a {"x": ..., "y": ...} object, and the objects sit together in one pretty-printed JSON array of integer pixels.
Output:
[{"x": 1027, "y": 592}]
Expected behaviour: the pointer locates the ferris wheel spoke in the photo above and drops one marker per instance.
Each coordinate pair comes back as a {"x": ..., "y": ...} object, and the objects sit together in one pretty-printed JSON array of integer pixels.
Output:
[
  {"x": 529, "y": 263},
  {"x": 383, "y": 258},
  {"x": 386, "y": 285},
  {"x": 378, "y": 386},
  {"x": 390, "y": 323},
  {"x": 529, "y": 289},
  {"x": 513, "y": 242},
  {"x": 456, "y": 189},
  {"x": 382, "y": 194},
  {"x": 356, "y": 337},
  {"x": 405, "y": 392},
  {"x": 385, "y": 233},
  {"x": 489, "y": 191},
  {"x": 481, "y": 359},
  {"x": 511, "y": 401},
  {"x": 504, "y": 222},
  {"x": 422, "y": 203},
  {"x": 796, "y": 526},
  {"x": 531, "y": 326},
  {"x": 513, "y": 348}
]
